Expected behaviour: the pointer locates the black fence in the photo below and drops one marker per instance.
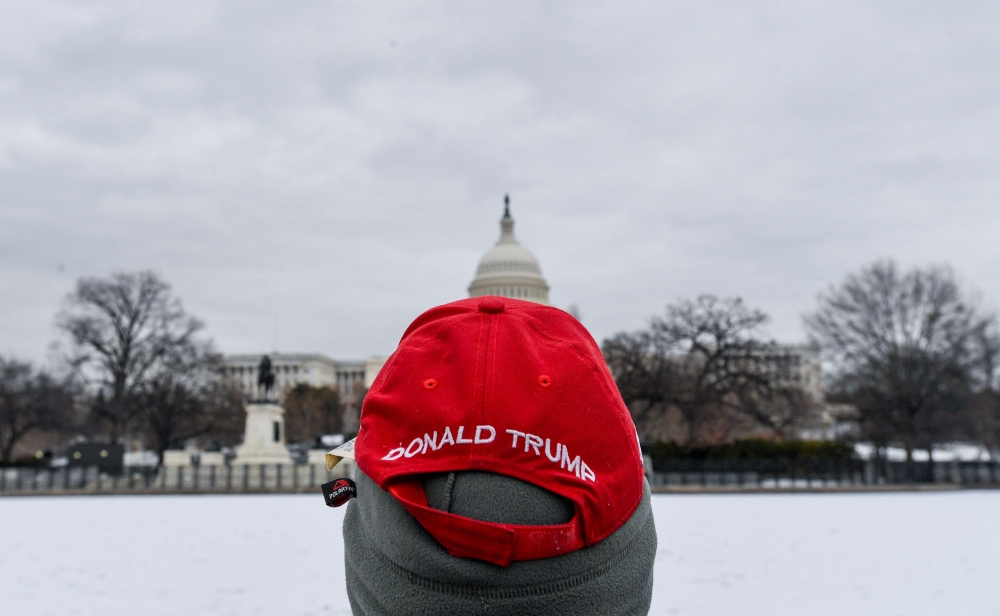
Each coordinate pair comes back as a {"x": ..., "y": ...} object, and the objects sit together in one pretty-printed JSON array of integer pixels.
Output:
[
  {"x": 813, "y": 473},
  {"x": 816, "y": 473},
  {"x": 170, "y": 479}
]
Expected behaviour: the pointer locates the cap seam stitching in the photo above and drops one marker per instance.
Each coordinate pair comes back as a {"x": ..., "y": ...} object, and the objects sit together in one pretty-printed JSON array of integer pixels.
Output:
[
  {"x": 479, "y": 348},
  {"x": 492, "y": 348}
]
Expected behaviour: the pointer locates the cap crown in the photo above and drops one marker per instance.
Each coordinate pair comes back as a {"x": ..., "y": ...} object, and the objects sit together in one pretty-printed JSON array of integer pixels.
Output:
[{"x": 509, "y": 387}]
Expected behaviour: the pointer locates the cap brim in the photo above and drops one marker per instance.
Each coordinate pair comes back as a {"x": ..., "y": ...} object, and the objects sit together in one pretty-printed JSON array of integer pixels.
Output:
[{"x": 334, "y": 456}]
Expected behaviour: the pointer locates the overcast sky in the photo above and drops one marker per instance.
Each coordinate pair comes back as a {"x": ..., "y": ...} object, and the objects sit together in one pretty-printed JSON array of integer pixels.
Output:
[{"x": 310, "y": 176}]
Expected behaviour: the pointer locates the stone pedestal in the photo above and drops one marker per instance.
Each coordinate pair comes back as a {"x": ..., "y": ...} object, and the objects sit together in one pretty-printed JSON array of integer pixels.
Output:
[
  {"x": 264, "y": 437},
  {"x": 176, "y": 457},
  {"x": 211, "y": 458}
]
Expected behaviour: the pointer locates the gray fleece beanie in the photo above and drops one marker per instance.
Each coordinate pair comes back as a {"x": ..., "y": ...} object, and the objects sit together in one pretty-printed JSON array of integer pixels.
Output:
[{"x": 396, "y": 568}]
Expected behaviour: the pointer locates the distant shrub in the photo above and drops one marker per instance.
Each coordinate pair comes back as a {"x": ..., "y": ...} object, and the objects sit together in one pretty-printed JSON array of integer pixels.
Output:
[
  {"x": 756, "y": 449},
  {"x": 26, "y": 461}
]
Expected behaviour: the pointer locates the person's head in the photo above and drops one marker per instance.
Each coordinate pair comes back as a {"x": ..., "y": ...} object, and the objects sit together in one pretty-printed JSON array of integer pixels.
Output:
[{"x": 498, "y": 472}]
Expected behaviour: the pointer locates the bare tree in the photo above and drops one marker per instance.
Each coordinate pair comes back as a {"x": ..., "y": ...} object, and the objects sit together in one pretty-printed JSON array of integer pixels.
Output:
[
  {"x": 189, "y": 397},
  {"x": 122, "y": 329},
  {"x": 903, "y": 347},
  {"x": 312, "y": 411},
  {"x": 705, "y": 357},
  {"x": 986, "y": 354},
  {"x": 29, "y": 401},
  {"x": 980, "y": 422},
  {"x": 646, "y": 373}
]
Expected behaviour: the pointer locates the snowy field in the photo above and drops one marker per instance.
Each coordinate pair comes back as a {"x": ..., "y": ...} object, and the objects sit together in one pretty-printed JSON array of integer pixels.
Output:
[{"x": 769, "y": 555}]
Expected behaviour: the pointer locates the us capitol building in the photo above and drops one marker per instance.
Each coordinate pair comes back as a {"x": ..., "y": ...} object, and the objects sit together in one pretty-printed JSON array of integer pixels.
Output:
[{"x": 507, "y": 270}]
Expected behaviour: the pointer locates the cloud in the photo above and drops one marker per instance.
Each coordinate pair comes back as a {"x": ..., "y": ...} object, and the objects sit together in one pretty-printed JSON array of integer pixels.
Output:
[{"x": 311, "y": 177}]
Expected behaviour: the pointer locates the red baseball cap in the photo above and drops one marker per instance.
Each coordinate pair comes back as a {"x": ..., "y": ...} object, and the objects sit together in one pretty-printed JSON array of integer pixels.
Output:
[{"x": 509, "y": 387}]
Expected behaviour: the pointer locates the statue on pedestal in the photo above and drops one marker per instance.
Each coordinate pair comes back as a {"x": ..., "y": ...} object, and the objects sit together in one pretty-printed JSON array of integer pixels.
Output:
[
  {"x": 265, "y": 378},
  {"x": 264, "y": 436}
]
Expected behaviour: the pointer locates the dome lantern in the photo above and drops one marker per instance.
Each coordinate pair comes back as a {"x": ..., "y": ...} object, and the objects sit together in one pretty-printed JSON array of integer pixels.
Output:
[{"x": 507, "y": 223}]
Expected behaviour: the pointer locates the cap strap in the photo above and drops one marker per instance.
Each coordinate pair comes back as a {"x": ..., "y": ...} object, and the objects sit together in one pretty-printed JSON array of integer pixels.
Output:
[{"x": 490, "y": 541}]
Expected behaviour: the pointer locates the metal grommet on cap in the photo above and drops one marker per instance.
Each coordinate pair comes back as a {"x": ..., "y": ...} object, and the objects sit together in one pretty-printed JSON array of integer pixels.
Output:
[{"x": 491, "y": 306}]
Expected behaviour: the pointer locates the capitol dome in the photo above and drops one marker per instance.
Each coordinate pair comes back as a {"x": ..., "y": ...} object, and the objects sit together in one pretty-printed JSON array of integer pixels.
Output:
[{"x": 508, "y": 270}]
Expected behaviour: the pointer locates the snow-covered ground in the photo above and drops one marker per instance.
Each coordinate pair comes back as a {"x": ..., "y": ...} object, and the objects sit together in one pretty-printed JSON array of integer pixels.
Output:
[{"x": 768, "y": 555}]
